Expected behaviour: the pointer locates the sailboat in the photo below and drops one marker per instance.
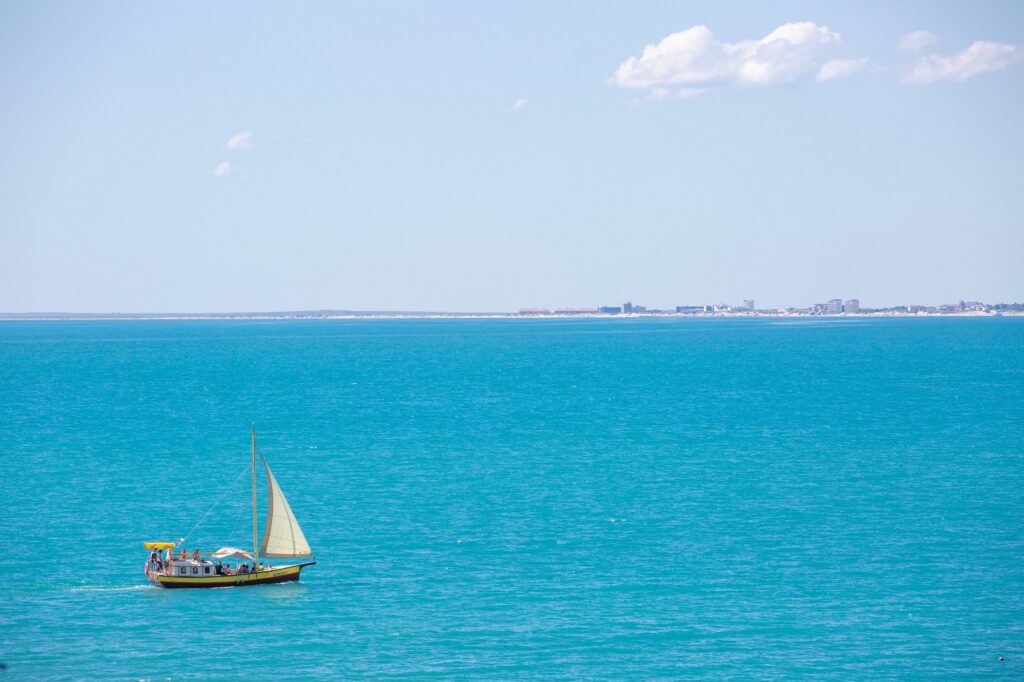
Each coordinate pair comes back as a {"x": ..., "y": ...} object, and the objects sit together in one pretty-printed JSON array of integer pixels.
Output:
[{"x": 282, "y": 539}]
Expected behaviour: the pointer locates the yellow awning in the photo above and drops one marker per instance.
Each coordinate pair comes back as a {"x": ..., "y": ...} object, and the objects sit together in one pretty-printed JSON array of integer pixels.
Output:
[{"x": 158, "y": 545}]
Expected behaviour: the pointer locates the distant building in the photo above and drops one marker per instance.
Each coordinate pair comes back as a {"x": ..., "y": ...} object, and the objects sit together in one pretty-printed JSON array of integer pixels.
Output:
[
  {"x": 575, "y": 311},
  {"x": 534, "y": 311},
  {"x": 834, "y": 306},
  {"x": 749, "y": 304},
  {"x": 690, "y": 309},
  {"x": 639, "y": 309},
  {"x": 627, "y": 307},
  {"x": 610, "y": 309},
  {"x": 851, "y": 306}
]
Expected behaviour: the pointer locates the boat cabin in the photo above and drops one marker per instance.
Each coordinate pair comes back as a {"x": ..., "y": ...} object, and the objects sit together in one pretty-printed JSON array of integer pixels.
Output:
[{"x": 191, "y": 569}]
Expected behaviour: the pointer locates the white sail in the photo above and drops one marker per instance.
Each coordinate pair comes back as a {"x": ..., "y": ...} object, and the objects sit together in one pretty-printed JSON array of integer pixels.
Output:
[{"x": 282, "y": 537}]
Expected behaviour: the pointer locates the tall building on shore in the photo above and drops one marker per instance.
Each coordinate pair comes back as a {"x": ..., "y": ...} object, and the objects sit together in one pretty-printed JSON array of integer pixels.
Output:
[
  {"x": 627, "y": 307},
  {"x": 749, "y": 304},
  {"x": 851, "y": 306},
  {"x": 834, "y": 306}
]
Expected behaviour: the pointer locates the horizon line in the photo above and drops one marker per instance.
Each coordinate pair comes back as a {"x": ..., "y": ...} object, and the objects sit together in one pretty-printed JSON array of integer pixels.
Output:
[{"x": 524, "y": 311}]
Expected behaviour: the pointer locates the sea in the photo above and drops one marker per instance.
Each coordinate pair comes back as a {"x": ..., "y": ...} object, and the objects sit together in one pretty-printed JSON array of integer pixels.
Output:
[{"x": 500, "y": 499}]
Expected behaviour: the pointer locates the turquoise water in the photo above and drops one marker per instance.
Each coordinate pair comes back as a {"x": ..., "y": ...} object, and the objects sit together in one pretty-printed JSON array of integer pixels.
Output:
[{"x": 494, "y": 499}]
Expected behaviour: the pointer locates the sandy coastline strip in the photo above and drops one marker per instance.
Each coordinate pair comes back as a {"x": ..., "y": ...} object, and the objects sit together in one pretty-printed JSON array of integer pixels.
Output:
[{"x": 67, "y": 317}]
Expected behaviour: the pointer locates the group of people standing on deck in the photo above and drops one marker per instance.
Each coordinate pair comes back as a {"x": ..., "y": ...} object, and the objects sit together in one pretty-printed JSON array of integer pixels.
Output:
[
  {"x": 157, "y": 563},
  {"x": 227, "y": 570}
]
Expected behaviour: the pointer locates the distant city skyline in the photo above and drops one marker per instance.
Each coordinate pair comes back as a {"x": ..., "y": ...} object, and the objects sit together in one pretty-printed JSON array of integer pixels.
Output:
[
  {"x": 203, "y": 157},
  {"x": 834, "y": 306}
]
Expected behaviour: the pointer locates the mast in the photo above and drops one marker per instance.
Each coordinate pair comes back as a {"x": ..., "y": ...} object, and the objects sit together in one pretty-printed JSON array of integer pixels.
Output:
[{"x": 255, "y": 546}]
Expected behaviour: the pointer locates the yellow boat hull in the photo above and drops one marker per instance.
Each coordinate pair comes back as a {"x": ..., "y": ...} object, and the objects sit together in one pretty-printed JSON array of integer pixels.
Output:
[{"x": 284, "y": 574}]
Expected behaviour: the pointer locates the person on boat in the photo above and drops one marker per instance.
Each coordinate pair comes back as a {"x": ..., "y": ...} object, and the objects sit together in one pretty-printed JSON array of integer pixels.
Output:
[
  {"x": 244, "y": 568},
  {"x": 220, "y": 568},
  {"x": 195, "y": 556},
  {"x": 184, "y": 554}
]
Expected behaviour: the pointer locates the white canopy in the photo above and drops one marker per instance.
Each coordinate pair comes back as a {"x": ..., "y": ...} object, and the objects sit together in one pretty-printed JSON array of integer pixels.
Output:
[{"x": 231, "y": 553}]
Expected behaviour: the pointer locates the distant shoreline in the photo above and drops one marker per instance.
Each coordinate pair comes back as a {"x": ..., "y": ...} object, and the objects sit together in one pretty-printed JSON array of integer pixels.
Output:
[{"x": 70, "y": 317}]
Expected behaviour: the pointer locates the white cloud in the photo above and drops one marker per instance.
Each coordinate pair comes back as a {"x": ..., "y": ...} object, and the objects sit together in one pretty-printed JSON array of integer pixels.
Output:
[
  {"x": 981, "y": 57},
  {"x": 240, "y": 142},
  {"x": 694, "y": 59},
  {"x": 837, "y": 68},
  {"x": 915, "y": 41},
  {"x": 520, "y": 103},
  {"x": 223, "y": 170}
]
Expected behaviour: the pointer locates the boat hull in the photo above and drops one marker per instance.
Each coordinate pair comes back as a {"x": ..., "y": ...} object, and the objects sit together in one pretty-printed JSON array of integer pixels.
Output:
[{"x": 285, "y": 574}]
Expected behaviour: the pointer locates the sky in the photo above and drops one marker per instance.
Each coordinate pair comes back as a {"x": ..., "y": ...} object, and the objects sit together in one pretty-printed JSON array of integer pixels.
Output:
[{"x": 484, "y": 156}]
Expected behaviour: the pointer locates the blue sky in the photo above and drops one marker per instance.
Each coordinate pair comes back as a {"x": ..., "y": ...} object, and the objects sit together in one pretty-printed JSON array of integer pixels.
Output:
[{"x": 485, "y": 156}]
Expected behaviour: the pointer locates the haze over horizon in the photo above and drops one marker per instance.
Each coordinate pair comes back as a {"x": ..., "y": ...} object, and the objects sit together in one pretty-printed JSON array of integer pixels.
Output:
[{"x": 459, "y": 157}]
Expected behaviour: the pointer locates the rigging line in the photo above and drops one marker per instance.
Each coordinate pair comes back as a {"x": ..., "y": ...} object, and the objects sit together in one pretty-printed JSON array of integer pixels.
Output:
[
  {"x": 241, "y": 513},
  {"x": 219, "y": 500}
]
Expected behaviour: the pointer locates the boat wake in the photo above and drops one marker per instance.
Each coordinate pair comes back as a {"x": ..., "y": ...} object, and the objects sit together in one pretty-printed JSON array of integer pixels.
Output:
[{"x": 111, "y": 588}]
